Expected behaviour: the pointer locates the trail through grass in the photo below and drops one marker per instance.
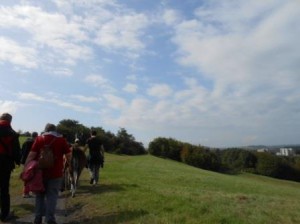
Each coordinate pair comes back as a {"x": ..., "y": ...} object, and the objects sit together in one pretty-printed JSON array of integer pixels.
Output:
[{"x": 146, "y": 189}]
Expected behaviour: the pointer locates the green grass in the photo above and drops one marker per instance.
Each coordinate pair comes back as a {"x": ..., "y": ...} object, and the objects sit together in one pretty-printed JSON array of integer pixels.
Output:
[{"x": 146, "y": 189}]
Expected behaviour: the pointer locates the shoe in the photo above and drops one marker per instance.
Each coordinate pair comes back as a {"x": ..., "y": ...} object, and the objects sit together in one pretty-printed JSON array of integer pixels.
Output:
[
  {"x": 92, "y": 181},
  {"x": 51, "y": 222},
  {"x": 37, "y": 221},
  {"x": 95, "y": 183}
]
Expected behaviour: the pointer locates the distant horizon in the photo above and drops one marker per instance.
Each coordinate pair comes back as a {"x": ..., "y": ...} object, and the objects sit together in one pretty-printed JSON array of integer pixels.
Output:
[{"x": 238, "y": 146}]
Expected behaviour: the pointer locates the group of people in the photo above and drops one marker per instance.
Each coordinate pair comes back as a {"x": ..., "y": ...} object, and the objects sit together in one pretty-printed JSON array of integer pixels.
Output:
[{"x": 10, "y": 155}]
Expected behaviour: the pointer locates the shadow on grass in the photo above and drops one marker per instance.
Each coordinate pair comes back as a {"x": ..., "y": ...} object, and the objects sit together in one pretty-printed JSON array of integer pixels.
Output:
[
  {"x": 104, "y": 188},
  {"x": 116, "y": 217},
  {"x": 67, "y": 211},
  {"x": 24, "y": 206}
]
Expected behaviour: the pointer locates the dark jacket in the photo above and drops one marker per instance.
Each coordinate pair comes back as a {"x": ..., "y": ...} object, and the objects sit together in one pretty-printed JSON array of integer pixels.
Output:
[
  {"x": 25, "y": 149},
  {"x": 95, "y": 151},
  {"x": 9, "y": 144}
]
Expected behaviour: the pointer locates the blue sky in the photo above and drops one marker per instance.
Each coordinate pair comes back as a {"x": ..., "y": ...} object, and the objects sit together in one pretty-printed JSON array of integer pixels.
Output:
[{"x": 215, "y": 73}]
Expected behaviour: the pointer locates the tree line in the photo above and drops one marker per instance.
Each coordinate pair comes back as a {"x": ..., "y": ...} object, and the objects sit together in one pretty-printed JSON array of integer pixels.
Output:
[
  {"x": 120, "y": 143},
  {"x": 230, "y": 160}
]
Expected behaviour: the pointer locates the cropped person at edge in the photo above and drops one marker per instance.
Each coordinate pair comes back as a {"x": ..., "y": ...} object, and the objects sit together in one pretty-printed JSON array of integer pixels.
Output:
[{"x": 10, "y": 153}]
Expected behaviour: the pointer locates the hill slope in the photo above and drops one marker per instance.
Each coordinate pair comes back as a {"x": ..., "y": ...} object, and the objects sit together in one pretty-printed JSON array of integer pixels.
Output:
[{"x": 146, "y": 189}]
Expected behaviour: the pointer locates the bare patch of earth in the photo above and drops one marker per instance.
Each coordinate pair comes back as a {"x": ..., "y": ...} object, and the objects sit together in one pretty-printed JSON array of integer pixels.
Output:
[{"x": 65, "y": 214}]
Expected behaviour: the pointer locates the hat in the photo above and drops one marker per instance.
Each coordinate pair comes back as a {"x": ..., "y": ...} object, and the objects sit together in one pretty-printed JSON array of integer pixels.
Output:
[
  {"x": 76, "y": 140},
  {"x": 6, "y": 117}
]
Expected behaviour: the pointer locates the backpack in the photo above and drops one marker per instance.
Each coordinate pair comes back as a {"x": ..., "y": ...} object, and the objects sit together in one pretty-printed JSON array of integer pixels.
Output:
[{"x": 46, "y": 159}]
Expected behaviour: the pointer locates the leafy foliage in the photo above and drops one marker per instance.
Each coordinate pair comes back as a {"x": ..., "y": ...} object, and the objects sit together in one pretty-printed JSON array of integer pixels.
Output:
[
  {"x": 238, "y": 159},
  {"x": 227, "y": 160},
  {"x": 198, "y": 156},
  {"x": 122, "y": 143}
]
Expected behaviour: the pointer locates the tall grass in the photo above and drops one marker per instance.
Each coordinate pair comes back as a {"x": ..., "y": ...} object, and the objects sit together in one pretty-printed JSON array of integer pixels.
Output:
[{"x": 146, "y": 189}]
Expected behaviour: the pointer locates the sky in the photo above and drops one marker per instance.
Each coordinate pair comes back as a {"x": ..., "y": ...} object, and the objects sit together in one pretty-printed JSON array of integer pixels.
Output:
[{"x": 213, "y": 73}]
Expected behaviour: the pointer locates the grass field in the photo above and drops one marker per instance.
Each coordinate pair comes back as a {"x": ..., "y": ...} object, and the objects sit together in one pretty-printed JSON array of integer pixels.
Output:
[{"x": 146, "y": 189}]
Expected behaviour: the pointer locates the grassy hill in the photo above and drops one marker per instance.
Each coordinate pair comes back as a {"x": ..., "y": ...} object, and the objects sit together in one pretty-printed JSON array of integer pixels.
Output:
[{"x": 146, "y": 189}]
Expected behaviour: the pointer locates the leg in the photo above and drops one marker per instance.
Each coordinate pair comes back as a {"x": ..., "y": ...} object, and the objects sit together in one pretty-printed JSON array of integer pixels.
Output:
[
  {"x": 96, "y": 173},
  {"x": 39, "y": 207},
  {"x": 26, "y": 191},
  {"x": 91, "y": 170},
  {"x": 5, "y": 197},
  {"x": 73, "y": 182},
  {"x": 52, "y": 191},
  {"x": 5, "y": 171}
]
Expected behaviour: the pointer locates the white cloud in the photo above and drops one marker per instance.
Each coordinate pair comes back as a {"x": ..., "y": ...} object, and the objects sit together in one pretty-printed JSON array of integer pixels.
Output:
[
  {"x": 30, "y": 96},
  {"x": 115, "y": 102},
  {"x": 68, "y": 4},
  {"x": 136, "y": 114},
  {"x": 247, "y": 51},
  {"x": 63, "y": 72},
  {"x": 51, "y": 98},
  {"x": 123, "y": 31},
  {"x": 16, "y": 54},
  {"x": 160, "y": 90},
  {"x": 7, "y": 106},
  {"x": 131, "y": 88},
  {"x": 171, "y": 16},
  {"x": 87, "y": 99},
  {"x": 100, "y": 81},
  {"x": 61, "y": 35},
  {"x": 72, "y": 106},
  {"x": 96, "y": 80}
]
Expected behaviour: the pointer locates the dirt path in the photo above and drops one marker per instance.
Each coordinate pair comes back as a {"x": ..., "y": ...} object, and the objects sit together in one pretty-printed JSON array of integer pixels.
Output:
[{"x": 62, "y": 213}]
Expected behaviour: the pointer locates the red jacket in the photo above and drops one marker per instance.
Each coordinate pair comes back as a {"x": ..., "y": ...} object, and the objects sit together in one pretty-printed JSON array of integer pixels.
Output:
[
  {"x": 33, "y": 177},
  {"x": 59, "y": 147}
]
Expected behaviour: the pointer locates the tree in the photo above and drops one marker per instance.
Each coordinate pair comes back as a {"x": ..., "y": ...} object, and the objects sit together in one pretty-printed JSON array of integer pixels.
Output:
[
  {"x": 166, "y": 148},
  {"x": 238, "y": 159},
  {"x": 126, "y": 144},
  {"x": 267, "y": 164},
  {"x": 72, "y": 129}
]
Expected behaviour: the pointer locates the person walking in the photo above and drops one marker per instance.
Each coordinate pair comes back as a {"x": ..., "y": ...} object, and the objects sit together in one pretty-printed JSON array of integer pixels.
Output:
[
  {"x": 9, "y": 157},
  {"x": 95, "y": 157},
  {"x": 45, "y": 202},
  {"x": 24, "y": 153}
]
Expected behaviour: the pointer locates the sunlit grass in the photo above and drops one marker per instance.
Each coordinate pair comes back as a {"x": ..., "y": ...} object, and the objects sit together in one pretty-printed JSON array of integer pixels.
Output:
[{"x": 146, "y": 189}]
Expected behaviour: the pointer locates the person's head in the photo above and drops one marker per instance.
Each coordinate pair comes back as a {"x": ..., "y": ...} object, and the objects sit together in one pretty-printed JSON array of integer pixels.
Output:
[
  {"x": 93, "y": 133},
  {"x": 34, "y": 134},
  {"x": 77, "y": 140},
  {"x": 6, "y": 117},
  {"x": 50, "y": 127}
]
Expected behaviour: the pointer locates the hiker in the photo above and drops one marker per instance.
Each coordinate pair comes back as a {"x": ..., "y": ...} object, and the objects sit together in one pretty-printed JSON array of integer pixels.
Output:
[
  {"x": 9, "y": 157},
  {"x": 24, "y": 153},
  {"x": 95, "y": 157},
  {"x": 45, "y": 202}
]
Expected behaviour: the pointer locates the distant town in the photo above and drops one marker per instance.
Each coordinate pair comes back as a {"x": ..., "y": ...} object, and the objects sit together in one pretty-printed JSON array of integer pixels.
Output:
[{"x": 283, "y": 150}]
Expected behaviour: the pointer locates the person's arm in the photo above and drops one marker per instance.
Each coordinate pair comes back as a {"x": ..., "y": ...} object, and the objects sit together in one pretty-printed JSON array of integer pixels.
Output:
[{"x": 16, "y": 150}]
